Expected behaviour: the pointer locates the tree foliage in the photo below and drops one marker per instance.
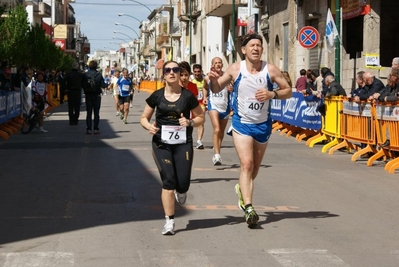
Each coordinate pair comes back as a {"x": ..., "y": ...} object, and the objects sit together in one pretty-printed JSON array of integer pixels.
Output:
[{"x": 22, "y": 44}]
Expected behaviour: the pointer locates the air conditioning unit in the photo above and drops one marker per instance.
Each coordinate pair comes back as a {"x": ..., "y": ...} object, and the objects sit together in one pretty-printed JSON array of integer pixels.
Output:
[
  {"x": 44, "y": 9},
  {"x": 264, "y": 22},
  {"x": 257, "y": 3}
]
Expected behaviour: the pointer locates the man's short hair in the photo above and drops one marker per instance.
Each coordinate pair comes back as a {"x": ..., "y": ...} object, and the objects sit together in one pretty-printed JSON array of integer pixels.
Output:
[
  {"x": 75, "y": 65},
  {"x": 325, "y": 71},
  {"x": 93, "y": 64},
  {"x": 329, "y": 78},
  {"x": 197, "y": 66},
  {"x": 248, "y": 37},
  {"x": 360, "y": 75},
  {"x": 302, "y": 72}
]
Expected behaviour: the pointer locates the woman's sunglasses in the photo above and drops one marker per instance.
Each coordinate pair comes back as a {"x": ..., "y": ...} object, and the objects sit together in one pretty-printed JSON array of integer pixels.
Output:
[{"x": 175, "y": 70}]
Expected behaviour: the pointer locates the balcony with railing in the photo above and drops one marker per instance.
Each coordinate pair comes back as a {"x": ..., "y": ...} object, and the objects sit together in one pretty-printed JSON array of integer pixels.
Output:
[
  {"x": 164, "y": 34},
  {"x": 185, "y": 12},
  {"x": 42, "y": 10}
]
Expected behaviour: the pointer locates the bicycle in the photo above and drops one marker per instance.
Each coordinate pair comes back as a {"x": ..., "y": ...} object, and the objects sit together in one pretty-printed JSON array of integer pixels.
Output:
[{"x": 32, "y": 119}]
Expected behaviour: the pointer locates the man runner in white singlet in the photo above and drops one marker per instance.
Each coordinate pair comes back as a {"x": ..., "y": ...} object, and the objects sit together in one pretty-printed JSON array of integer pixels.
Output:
[{"x": 251, "y": 122}]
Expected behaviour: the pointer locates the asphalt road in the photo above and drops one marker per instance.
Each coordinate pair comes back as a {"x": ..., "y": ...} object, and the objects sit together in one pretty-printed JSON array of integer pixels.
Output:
[{"x": 68, "y": 199}]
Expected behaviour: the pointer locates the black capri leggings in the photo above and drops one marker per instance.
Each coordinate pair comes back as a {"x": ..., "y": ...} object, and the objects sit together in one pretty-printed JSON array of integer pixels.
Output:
[{"x": 174, "y": 164}]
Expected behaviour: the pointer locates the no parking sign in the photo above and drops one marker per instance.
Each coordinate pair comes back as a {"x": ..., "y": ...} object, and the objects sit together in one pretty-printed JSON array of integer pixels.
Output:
[{"x": 308, "y": 37}]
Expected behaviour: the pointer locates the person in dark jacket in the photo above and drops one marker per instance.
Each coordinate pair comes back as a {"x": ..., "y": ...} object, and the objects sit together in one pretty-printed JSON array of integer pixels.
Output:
[
  {"x": 93, "y": 100},
  {"x": 373, "y": 85},
  {"x": 324, "y": 72},
  {"x": 334, "y": 88},
  {"x": 74, "y": 82}
]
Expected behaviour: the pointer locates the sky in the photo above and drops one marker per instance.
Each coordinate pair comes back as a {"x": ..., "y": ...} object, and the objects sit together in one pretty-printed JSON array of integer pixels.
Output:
[{"x": 97, "y": 19}]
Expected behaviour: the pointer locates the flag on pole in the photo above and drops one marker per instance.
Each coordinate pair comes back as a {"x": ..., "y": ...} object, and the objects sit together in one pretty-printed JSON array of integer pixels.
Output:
[
  {"x": 229, "y": 45},
  {"x": 170, "y": 54},
  {"x": 331, "y": 31}
]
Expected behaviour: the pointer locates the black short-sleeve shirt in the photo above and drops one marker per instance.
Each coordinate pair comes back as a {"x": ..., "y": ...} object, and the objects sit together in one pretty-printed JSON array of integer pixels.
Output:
[{"x": 168, "y": 113}]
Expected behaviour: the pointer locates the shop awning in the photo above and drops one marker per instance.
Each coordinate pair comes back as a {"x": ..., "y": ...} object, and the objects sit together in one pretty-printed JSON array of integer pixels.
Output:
[{"x": 159, "y": 64}]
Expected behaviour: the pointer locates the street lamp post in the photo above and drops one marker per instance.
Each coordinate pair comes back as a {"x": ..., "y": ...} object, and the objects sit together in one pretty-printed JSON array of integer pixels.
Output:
[
  {"x": 138, "y": 37},
  {"x": 121, "y": 24},
  {"x": 132, "y": 39},
  {"x": 155, "y": 29},
  {"x": 113, "y": 37},
  {"x": 123, "y": 14}
]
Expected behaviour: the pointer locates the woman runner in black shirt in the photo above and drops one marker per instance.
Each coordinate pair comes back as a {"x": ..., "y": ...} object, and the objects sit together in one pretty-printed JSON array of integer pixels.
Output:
[{"x": 172, "y": 142}]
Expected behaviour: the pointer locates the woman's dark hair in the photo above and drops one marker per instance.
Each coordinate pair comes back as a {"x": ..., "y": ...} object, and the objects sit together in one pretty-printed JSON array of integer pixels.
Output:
[
  {"x": 185, "y": 66},
  {"x": 166, "y": 63},
  {"x": 315, "y": 72}
]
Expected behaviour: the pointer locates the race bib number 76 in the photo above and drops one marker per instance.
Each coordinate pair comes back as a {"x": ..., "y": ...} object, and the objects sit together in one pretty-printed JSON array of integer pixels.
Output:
[{"x": 173, "y": 134}]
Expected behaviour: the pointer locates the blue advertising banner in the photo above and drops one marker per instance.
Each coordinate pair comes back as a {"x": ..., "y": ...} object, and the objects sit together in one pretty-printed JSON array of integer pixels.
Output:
[
  {"x": 298, "y": 111},
  {"x": 10, "y": 105},
  {"x": 3, "y": 107}
]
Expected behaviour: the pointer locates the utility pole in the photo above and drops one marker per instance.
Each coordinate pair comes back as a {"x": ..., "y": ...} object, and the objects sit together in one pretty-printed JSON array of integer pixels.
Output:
[
  {"x": 337, "y": 42},
  {"x": 233, "y": 31},
  {"x": 191, "y": 25},
  {"x": 171, "y": 14}
]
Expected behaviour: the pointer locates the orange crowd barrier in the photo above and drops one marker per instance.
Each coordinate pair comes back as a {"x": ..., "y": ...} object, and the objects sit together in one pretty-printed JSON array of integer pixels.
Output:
[
  {"x": 151, "y": 86},
  {"x": 387, "y": 126},
  {"x": 357, "y": 126}
]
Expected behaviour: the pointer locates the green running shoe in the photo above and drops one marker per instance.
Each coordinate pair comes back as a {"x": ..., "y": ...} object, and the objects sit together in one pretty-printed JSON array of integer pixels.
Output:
[
  {"x": 241, "y": 204},
  {"x": 251, "y": 217}
]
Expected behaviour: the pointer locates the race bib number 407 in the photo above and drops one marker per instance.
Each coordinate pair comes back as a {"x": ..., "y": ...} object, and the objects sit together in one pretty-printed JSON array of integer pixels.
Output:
[
  {"x": 253, "y": 106},
  {"x": 173, "y": 134}
]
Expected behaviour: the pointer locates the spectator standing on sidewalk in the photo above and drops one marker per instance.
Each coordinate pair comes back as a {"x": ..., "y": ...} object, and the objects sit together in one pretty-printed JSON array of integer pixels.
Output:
[
  {"x": 389, "y": 94},
  {"x": 172, "y": 142},
  {"x": 334, "y": 88},
  {"x": 74, "y": 82},
  {"x": 301, "y": 82},
  {"x": 372, "y": 85},
  {"x": 93, "y": 99},
  {"x": 39, "y": 94},
  {"x": 252, "y": 124}
]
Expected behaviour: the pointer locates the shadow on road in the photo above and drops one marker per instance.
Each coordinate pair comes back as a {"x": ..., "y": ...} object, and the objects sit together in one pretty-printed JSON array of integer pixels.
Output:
[
  {"x": 65, "y": 180},
  {"x": 278, "y": 216}
]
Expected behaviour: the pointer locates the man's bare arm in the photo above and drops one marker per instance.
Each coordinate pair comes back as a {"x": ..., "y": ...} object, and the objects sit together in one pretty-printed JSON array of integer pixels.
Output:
[
  {"x": 219, "y": 82},
  {"x": 276, "y": 76}
]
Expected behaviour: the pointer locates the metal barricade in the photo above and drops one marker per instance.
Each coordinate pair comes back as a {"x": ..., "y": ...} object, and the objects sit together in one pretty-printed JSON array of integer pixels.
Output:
[
  {"x": 331, "y": 124},
  {"x": 387, "y": 127},
  {"x": 357, "y": 126}
]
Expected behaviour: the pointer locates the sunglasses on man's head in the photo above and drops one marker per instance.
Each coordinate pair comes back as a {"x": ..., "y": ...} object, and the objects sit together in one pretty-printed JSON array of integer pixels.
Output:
[{"x": 175, "y": 70}]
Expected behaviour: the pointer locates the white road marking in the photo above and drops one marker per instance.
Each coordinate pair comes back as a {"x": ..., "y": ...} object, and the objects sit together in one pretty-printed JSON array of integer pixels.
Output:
[
  {"x": 175, "y": 258},
  {"x": 306, "y": 258},
  {"x": 38, "y": 259}
]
